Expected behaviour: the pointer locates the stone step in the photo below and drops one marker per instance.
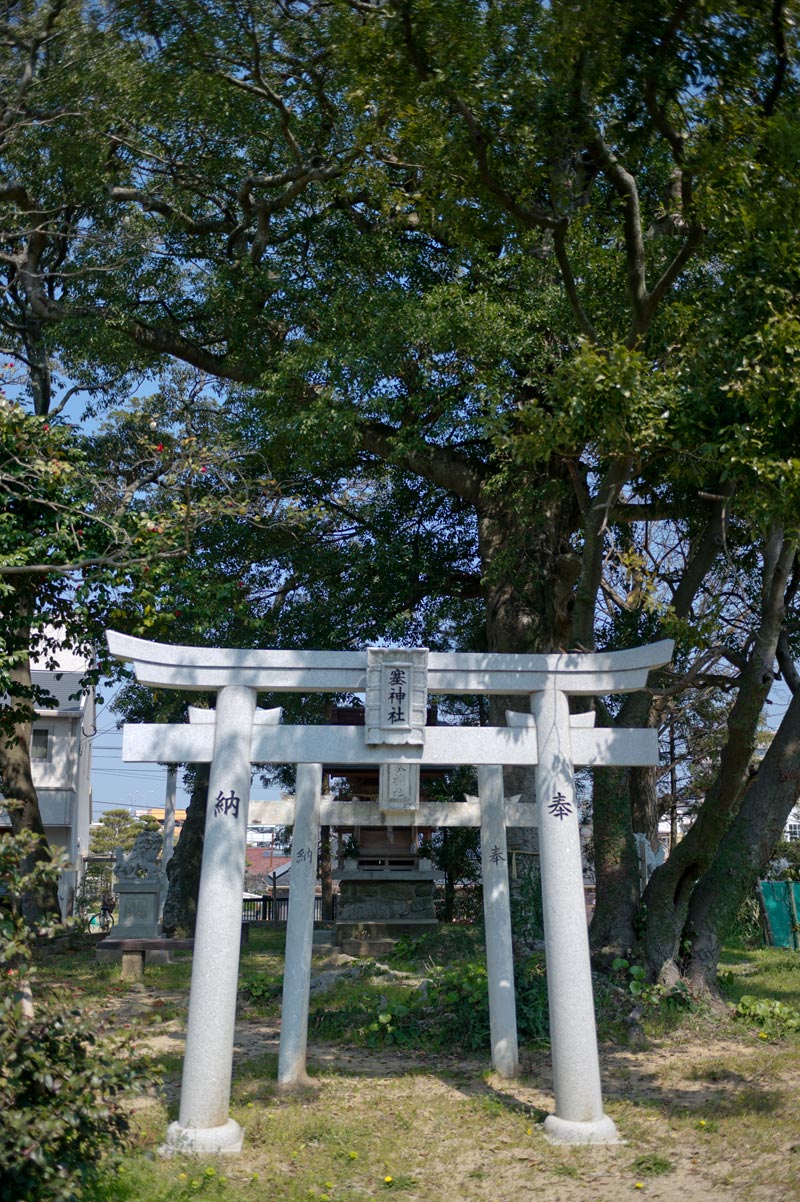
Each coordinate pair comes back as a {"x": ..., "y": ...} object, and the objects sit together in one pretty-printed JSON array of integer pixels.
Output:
[
  {"x": 389, "y": 928},
  {"x": 368, "y": 947}
]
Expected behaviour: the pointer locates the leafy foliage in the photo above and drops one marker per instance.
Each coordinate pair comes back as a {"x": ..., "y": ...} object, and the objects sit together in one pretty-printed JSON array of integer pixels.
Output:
[
  {"x": 652, "y": 995},
  {"x": 118, "y": 828},
  {"x": 62, "y": 1087},
  {"x": 775, "y": 1019},
  {"x": 747, "y": 927},
  {"x": 784, "y": 864},
  {"x": 498, "y": 298},
  {"x": 450, "y": 1009}
]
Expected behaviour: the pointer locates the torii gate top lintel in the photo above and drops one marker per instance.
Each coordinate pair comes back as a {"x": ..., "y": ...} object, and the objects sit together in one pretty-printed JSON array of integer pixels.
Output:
[{"x": 272, "y": 671}]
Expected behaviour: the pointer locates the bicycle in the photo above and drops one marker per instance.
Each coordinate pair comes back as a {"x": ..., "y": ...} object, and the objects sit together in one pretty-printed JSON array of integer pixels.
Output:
[{"x": 103, "y": 922}]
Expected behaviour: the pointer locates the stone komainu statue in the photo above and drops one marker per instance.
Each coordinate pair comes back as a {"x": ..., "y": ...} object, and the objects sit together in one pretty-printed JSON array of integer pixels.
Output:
[{"x": 141, "y": 861}]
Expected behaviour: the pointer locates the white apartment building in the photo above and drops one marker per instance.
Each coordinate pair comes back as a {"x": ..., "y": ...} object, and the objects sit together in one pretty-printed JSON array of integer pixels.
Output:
[{"x": 61, "y": 764}]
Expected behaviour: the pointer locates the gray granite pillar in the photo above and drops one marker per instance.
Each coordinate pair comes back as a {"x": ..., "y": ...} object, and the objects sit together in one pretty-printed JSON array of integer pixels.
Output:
[
  {"x": 579, "y": 1114},
  {"x": 497, "y": 914},
  {"x": 300, "y": 927},
  {"x": 203, "y": 1125}
]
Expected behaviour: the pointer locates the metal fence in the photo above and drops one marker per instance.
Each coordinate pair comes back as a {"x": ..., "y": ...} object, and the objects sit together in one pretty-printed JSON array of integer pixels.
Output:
[{"x": 259, "y": 909}]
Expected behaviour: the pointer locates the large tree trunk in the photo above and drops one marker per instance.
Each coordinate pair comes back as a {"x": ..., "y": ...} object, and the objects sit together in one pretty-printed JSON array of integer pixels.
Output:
[
  {"x": 746, "y": 847},
  {"x": 627, "y": 802},
  {"x": 645, "y": 813},
  {"x": 529, "y": 571},
  {"x": 616, "y": 865},
  {"x": 19, "y": 792},
  {"x": 529, "y": 568},
  {"x": 183, "y": 870},
  {"x": 326, "y": 873},
  {"x": 624, "y": 802},
  {"x": 669, "y": 891}
]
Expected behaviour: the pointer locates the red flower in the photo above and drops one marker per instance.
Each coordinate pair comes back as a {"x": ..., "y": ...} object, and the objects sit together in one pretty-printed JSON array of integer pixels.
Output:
[{"x": 160, "y": 447}]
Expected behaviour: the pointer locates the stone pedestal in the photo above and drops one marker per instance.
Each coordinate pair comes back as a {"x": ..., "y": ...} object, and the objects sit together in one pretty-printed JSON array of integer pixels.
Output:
[
  {"x": 139, "y": 908},
  {"x": 390, "y": 898},
  {"x": 377, "y": 908},
  {"x": 151, "y": 958}
]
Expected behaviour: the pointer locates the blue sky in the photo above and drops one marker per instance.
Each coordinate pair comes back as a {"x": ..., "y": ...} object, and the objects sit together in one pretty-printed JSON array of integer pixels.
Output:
[{"x": 120, "y": 785}]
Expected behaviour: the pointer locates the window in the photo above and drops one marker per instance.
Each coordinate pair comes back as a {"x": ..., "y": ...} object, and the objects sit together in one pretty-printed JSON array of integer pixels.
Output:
[
  {"x": 793, "y": 831},
  {"x": 40, "y": 744}
]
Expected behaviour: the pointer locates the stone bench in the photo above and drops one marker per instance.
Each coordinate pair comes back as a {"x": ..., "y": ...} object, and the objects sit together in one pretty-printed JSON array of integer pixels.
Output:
[{"x": 135, "y": 950}]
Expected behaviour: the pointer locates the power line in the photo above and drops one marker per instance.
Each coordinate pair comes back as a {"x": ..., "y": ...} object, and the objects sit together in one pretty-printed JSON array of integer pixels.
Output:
[{"x": 142, "y": 773}]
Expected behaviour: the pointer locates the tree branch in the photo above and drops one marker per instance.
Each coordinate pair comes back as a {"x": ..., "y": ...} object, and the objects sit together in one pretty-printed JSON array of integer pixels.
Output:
[
  {"x": 570, "y": 285},
  {"x": 694, "y": 237},
  {"x": 441, "y": 465},
  {"x": 782, "y": 54},
  {"x": 80, "y": 565},
  {"x": 786, "y": 664},
  {"x": 710, "y": 544},
  {"x": 151, "y": 204},
  {"x": 159, "y": 342},
  {"x": 624, "y": 185},
  {"x": 596, "y": 524}
]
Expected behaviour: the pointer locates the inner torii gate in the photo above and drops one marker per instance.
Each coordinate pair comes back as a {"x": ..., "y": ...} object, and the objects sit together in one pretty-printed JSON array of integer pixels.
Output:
[{"x": 397, "y": 682}]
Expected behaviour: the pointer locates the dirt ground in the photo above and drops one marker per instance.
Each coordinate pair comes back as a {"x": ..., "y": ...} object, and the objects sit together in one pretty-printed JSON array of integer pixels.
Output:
[{"x": 702, "y": 1118}]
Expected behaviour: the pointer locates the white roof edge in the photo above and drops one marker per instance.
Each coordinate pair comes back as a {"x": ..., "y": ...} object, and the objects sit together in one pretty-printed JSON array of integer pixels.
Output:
[{"x": 64, "y": 711}]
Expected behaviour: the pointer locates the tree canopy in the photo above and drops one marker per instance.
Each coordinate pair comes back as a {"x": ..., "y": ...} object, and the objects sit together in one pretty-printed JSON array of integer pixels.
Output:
[
  {"x": 118, "y": 828},
  {"x": 500, "y": 309}
]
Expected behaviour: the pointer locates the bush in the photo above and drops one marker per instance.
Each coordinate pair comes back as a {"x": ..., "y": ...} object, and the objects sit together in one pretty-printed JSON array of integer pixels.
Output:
[
  {"x": 775, "y": 1019},
  {"x": 60, "y": 1111},
  {"x": 652, "y": 996},
  {"x": 444, "y": 945},
  {"x": 451, "y": 1011},
  {"x": 459, "y": 999},
  {"x": 533, "y": 1013},
  {"x": 747, "y": 928},
  {"x": 527, "y": 912},
  {"x": 61, "y": 1090}
]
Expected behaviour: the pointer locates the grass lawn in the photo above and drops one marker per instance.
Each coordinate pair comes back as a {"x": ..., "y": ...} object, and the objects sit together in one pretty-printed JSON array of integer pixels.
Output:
[{"x": 405, "y": 1101}]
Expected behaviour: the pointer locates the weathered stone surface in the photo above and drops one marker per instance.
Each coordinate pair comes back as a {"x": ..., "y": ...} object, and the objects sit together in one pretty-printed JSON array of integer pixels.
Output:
[
  {"x": 376, "y": 900},
  {"x": 139, "y": 905},
  {"x": 141, "y": 861},
  {"x": 139, "y": 886}
]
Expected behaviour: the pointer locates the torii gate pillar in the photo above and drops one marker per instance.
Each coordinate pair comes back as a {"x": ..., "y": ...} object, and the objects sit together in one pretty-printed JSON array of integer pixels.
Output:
[
  {"x": 579, "y": 1114},
  {"x": 203, "y": 1124}
]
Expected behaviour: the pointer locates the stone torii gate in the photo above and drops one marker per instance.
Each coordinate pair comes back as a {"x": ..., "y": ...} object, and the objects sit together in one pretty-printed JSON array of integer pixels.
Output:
[{"x": 397, "y": 682}]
